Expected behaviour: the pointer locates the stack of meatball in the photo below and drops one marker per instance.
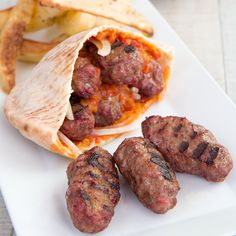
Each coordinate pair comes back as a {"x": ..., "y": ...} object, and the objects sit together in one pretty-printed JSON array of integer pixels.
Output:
[{"x": 124, "y": 66}]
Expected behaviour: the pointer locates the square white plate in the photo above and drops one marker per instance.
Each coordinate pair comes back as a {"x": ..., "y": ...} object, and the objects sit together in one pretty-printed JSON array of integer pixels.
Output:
[{"x": 33, "y": 180}]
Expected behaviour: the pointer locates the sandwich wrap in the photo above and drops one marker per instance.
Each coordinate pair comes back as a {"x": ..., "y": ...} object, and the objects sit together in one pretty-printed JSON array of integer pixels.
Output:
[{"x": 37, "y": 106}]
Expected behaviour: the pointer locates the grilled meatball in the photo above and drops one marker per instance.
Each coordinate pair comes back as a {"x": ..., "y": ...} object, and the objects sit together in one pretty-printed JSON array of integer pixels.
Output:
[
  {"x": 82, "y": 125},
  {"x": 109, "y": 110},
  {"x": 93, "y": 190},
  {"x": 188, "y": 147},
  {"x": 152, "y": 82},
  {"x": 86, "y": 78},
  {"x": 122, "y": 66},
  {"x": 148, "y": 174},
  {"x": 125, "y": 65}
]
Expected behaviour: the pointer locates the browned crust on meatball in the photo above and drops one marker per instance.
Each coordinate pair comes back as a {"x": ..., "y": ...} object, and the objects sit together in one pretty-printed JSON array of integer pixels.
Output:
[
  {"x": 148, "y": 174},
  {"x": 188, "y": 147},
  {"x": 93, "y": 190},
  {"x": 82, "y": 125}
]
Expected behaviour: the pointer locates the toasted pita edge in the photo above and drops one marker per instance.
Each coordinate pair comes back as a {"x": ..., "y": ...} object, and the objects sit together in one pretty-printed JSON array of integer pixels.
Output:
[
  {"x": 11, "y": 38},
  {"x": 37, "y": 106},
  {"x": 122, "y": 12}
]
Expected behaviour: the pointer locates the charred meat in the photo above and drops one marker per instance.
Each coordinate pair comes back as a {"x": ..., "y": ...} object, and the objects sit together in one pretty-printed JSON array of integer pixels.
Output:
[
  {"x": 148, "y": 174},
  {"x": 121, "y": 66},
  {"x": 127, "y": 65},
  {"x": 93, "y": 190},
  {"x": 107, "y": 88},
  {"x": 188, "y": 147}
]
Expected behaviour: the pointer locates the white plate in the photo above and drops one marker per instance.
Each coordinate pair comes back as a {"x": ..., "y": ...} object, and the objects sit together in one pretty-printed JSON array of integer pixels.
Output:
[{"x": 33, "y": 180}]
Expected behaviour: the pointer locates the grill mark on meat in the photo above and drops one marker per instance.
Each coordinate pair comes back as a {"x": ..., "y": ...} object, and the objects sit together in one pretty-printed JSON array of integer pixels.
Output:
[
  {"x": 198, "y": 151},
  {"x": 115, "y": 186},
  {"x": 106, "y": 208},
  {"x": 162, "y": 128},
  {"x": 147, "y": 173},
  {"x": 101, "y": 188},
  {"x": 178, "y": 128},
  {"x": 193, "y": 135},
  {"x": 102, "y": 168},
  {"x": 213, "y": 154},
  {"x": 149, "y": 145},
  {"x": 157, "y": 159},
  {"x": 129, "y": 49},
  {"x": 183, "y": 146},
  {"x": 209, "y": 162},
  {"x": 116, "y": 44},
  {"x": 90, "y": 198},
  {"x": 111, "y": 173},
  {"x": 85, "y": 195},
  {"x": 105, "y": 190},
  {"x": 91, "y": 174},
  {"x": 93, "y": 160},
  {"x": 204, "y": 157}
]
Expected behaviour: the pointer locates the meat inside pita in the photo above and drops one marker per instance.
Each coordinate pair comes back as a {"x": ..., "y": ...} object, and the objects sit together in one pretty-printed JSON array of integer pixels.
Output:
[{"x": 108, "y": 89}]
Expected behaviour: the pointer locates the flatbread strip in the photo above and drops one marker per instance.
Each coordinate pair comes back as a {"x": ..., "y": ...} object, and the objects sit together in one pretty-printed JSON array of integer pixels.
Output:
[
  {"x": 118, "y": 10},
  {"x": 10, "y": 41},
  {"x": 4, "y": 15},
  {"x": 33, "y": 51},
  {"x": 37, "y": 106}
]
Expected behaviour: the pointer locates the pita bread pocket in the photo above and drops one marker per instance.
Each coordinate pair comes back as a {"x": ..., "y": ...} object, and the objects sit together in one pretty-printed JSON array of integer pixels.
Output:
[{"x": 37, "y": 106}]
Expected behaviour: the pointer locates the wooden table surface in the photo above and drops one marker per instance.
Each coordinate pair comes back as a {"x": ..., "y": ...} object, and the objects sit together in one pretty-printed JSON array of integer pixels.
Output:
[{"x": 208, "y": 28}]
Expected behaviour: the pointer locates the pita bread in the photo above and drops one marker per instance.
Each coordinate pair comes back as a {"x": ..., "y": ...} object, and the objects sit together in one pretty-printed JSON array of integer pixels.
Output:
[
  {"x": 37, "y": 106},
  {"x": 119, "y": 10},
  {"x": 4, "y": 15}
]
